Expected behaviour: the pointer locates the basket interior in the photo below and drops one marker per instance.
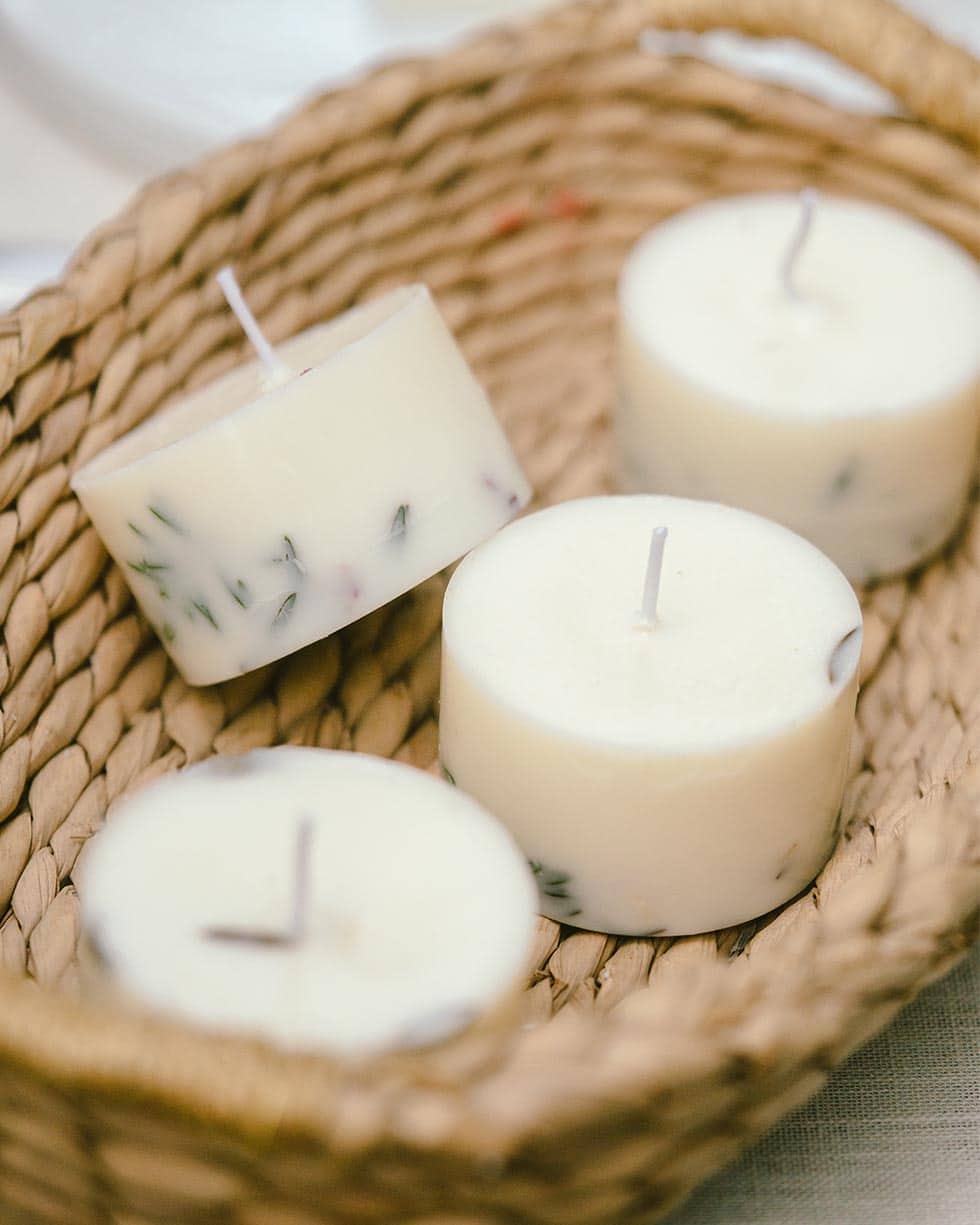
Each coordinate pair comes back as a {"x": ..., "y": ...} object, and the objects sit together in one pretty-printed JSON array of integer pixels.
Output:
[{"x": 515, "y": 193}]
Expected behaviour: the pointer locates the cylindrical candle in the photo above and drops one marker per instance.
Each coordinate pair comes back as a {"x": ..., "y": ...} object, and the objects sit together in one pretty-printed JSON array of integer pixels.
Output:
[
  {"x": 251, "y": 519},
  {"x": 816, "y": 361},
  {"x": 318, "y": 899},
  {"x": 672, "y": 772}
]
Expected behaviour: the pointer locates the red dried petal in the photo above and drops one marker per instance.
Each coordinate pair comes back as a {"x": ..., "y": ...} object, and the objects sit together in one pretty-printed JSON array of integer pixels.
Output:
[
  {"x": 566, "y": 203},
  {"x": 510, "y": 219}
]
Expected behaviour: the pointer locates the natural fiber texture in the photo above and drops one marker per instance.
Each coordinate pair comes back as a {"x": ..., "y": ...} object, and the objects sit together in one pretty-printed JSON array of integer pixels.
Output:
[{"x": 512, "y": 176}]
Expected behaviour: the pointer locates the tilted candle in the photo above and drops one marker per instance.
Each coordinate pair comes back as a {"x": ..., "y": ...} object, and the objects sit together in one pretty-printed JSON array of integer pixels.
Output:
[
  {"x": 252, "y": 519},
  {"x": 816, "y": 361},
  {"x": 672, "y": 768},
  {"x": 319, "y": 899}
]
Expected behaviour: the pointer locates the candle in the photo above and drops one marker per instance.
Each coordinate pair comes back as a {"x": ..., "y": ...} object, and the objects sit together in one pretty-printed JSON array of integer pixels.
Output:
[
  {"x": 815, "y": 360},
  {"x": 290, "y": 498},
  {"x": 670, "y": 764},
  {"x": 318, "y": 899}
]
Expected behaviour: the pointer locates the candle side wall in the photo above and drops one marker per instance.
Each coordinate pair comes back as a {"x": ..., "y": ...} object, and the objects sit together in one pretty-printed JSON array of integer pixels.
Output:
[
  {"x": 877, "y": 493},
  {"x": 310, "y": 507},
  {"x": 649, "y": 842}
]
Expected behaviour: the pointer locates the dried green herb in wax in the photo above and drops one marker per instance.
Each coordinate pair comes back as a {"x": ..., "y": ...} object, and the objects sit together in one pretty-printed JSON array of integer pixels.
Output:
[
  {"x": 399, "y": 524},
  {"x": 553, "y": 884},
  {"x": 285, "y": 608},
  {"x": 240, "y": 592},
  {"x": 166, "y": 520},
  {"x": 840, "y": 656},
  {"x": 843, "y": 479},
  {"x": 199, "y": 606},
  {"x": 289, "y": 556}
]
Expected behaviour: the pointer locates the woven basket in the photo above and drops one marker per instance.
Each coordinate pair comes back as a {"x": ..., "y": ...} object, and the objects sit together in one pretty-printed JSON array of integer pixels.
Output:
[{"x": 512, "y": 176}]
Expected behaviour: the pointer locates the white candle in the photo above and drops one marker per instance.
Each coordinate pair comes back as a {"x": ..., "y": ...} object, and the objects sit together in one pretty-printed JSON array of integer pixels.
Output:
[
  {"x": 825, "y": 375},
  {"x": 318, "y": 899},
  {"x": 678, "y": 776},
  {"x": 258, "y": 515}
]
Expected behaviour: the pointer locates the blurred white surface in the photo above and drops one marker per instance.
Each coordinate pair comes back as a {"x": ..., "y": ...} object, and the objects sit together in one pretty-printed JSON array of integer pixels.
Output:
[
  {"x": 155, "y": 83},
  {"x": 24, "y": 264},
  {"x": 893, "y": 1138},
  {"x": 52, "y": 189},
  {"x": 96, "y": 97}
]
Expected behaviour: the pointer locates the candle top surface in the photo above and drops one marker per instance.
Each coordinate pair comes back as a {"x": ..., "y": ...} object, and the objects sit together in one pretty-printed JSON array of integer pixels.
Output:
[
  {"x": 419, "y": 906},
  {"x": 246, "y": 388},
  {"x": 545, "y": 616},
  {"x": 882, "y": 315}
]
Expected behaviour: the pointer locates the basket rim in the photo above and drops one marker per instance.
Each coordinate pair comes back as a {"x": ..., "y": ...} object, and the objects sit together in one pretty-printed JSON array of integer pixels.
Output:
[
  {"x": 920, "y": 897},
  {"x": 921, "y": 894}
]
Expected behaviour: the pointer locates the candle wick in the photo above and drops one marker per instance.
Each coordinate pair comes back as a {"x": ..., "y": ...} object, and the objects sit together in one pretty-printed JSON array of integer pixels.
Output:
[
  {"x": 302, "y": 880},
  {"x": 296, "y": 933},
  {"x": 651, "y": 584},
  {"x": 808, "y": 201},
  {"x": 276, "y": 369}
]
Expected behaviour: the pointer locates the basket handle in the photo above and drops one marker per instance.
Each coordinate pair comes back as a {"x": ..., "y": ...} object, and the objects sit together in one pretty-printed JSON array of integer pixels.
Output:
[{"x": 936, "y": 80}]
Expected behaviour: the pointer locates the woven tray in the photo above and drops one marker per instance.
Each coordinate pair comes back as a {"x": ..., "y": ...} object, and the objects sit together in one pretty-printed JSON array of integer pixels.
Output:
[{"x": 512, "y": 176}]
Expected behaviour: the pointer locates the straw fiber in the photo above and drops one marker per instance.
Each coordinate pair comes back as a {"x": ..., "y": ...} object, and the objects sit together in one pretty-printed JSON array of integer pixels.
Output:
[{"x": 512, "y": 175}]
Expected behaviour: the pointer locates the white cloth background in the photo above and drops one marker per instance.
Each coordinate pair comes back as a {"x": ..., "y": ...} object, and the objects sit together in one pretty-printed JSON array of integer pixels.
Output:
[{"x": 892, "y": 1139}]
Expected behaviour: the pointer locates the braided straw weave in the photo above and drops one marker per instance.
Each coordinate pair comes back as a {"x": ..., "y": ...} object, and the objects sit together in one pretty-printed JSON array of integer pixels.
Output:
[{"x": 512, "y": 175}]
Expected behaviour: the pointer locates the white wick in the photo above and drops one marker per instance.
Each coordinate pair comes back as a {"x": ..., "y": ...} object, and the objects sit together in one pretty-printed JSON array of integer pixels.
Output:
[
  {"x": 276, "y": 369},
  {"x": 299, "y": 919},
  {"x": 651, "y": 585},
  {"x": 808, "y": 201},
  {"x": 302, "y": 881}
]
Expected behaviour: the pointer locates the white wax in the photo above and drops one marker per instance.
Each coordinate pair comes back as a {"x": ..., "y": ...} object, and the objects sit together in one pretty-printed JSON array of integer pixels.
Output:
[
  {"x": 418, "y": 919},
  {"x": 843, "y": 404},
  {"x": 251, "y": 520},
  {"x": 678, "y": 777}
]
